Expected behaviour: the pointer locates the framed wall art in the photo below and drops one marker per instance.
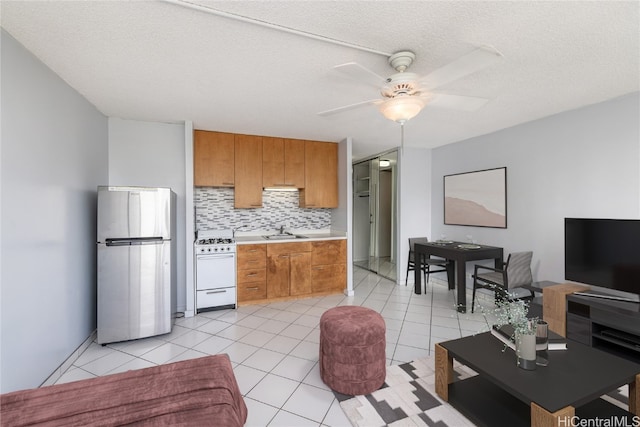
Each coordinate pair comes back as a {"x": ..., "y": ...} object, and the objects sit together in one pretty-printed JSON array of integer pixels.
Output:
[{"x": 476, "y": 198}]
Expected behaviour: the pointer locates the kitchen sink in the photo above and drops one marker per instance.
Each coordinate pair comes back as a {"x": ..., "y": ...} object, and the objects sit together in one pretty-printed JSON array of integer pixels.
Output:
[{"x": 284, "y": 237}]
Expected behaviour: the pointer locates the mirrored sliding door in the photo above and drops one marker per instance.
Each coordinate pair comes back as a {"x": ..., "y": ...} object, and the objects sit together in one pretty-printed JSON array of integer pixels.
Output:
[{"x": 374, "y": 214}]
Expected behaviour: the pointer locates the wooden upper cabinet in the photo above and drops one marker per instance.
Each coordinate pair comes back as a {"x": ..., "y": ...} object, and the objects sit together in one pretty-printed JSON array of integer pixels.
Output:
[
  {"x": 248, "y": 171},
  {"x": 213, "y": 159},
  {"x": 283, "y": 162},
  {"x": 272, "y": 161},
  {"x": 294, "y": 161},
  {"x": 321, "y": 175}
]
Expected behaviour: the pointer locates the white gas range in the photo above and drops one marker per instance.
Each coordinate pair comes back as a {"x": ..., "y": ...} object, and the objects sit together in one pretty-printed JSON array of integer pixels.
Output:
[{"x": 215, "y": 252}]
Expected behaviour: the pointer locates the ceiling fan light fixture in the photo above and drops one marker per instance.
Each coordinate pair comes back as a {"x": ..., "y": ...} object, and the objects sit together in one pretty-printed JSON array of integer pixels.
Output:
[{"x": 402, "y": 108}]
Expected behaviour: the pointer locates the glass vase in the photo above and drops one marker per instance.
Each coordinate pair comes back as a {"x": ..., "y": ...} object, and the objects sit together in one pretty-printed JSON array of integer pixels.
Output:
[{"x": 526, "y": 350}]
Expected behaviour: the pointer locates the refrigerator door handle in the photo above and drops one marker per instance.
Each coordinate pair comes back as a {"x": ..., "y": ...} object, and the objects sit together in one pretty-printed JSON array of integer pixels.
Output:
[{"x": 134, "y": 241}]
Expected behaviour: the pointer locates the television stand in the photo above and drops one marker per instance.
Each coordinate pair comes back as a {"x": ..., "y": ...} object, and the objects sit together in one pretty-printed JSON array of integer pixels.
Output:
[
  {"x": 595, "y": 294},
  {"x": 606, "y": 324}
]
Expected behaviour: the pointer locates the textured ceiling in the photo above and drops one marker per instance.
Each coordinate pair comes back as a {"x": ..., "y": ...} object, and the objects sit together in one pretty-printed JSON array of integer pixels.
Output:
[{"x": 161, "y": 61}]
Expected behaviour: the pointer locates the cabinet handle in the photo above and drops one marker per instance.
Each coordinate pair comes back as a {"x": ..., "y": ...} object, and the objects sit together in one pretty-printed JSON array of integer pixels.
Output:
[
  {"x": 252, "y": 250},
  {"x": 252, "y": 275},
  {"x": 217, "y": 292},
  {"x": 227, "y": 183},
  {"x": 283, "y": 256},
  {"x": 256, "y": 205},
  {"x": 255, "y": 288},
  {"x": 318, "y": 268}
]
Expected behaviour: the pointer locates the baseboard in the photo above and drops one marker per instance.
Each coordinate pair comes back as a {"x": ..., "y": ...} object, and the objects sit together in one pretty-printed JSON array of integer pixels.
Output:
[{"x": 60, "y": 370}]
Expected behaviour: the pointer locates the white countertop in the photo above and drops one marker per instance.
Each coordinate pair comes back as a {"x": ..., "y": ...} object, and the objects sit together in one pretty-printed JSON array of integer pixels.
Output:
[{"x": 253, "y": 239}]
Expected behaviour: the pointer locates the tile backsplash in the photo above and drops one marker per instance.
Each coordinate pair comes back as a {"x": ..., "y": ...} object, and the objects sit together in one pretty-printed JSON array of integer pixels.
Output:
[{"x": 215, "y": 211}]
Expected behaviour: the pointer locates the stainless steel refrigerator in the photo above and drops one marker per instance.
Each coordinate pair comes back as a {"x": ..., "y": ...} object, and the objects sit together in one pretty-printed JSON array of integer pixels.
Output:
[{"x": 136, "y": 262}]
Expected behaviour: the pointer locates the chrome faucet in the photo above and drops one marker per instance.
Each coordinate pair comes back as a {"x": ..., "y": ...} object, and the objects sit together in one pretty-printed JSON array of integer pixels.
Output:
[
  {"x": 233, "y": 230},
  {"x": 282, "y": 229}
]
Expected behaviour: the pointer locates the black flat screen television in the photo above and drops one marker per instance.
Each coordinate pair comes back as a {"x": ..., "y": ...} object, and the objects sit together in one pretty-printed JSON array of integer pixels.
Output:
[{"x": 603, "y": 253}]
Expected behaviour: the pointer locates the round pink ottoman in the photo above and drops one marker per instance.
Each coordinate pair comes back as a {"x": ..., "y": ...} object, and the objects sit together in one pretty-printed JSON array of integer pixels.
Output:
[{"x": 352, "y": 350}]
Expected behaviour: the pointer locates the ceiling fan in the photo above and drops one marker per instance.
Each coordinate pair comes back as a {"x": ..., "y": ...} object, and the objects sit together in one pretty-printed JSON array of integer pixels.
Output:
[{"x": 405, "y": 94}]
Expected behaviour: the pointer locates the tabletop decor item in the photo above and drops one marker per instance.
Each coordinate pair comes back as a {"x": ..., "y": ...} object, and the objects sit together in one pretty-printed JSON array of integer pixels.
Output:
[
  {"x": 542, "y": 343},
  {"x": 513, "y": 312}
]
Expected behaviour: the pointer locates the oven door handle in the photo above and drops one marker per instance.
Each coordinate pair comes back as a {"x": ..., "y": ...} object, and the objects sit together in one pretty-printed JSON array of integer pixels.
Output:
[{"x": 220, "y": 256}]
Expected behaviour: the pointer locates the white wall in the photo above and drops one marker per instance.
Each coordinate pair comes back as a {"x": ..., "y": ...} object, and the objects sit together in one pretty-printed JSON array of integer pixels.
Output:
[
  {"x": 54, "y": 155},
  {"x": 414, "y": 202},
  {"x": 153, "y": 155},
  {"x": 342, "y": 216},
  {"x": 581, "y": 163}
]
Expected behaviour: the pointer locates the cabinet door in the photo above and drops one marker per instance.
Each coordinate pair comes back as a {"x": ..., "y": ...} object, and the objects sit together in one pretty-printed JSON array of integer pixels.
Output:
[
  {"x": 277, "y": 275},
  {"x": 213, "y": 159},
  {"x": 248, "y": 171},
  {"x": 326, "y": 278},
  {"x": 329, "y": 252},
  {"x": 300, "y": 273},
  {"x": 272, "y": 162},
  {"x": 321, "y": 175},
  {"x": 294, "y": 163}
]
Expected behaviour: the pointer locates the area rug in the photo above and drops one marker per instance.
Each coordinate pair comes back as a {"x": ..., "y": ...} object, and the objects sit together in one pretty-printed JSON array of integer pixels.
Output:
[{"x": 407, "y": 398}]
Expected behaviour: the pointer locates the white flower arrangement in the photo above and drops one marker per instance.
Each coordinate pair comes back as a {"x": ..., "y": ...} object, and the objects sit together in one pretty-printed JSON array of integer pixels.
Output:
[
  {"x": 514, "y": 313},
  {"x": 509, "y": 310}
]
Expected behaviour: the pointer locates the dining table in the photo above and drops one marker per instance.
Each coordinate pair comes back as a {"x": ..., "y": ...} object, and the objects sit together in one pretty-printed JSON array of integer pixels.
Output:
[{"x": 458, "y": 254}]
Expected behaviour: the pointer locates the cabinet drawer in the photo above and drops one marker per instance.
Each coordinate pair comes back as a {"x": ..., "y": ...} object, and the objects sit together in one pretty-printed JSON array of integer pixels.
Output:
[
  {"x": 328, "y": 277},
  {"x": 288, "y": 248},
  {"x": 252, "y": 291},
  {"x": 251, "y": 256},
  {"x": 215, "y": 297},
  {"x": 252, "y": 275},
  {"x": 329, "y": 252}
]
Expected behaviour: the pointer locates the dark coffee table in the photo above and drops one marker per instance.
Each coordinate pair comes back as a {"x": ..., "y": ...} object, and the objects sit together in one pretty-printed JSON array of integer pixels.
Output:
[{"x": 548, "y": 396}]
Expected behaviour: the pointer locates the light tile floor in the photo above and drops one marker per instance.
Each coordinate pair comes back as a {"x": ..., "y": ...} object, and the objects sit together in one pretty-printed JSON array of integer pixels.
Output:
[
  {"x": 383, "y": 266},
  {"x": 274, "y": 347}
]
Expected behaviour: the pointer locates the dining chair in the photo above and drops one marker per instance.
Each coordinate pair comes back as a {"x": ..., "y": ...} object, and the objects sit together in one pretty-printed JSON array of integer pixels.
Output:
[
  {"x": 516, "y": 272},
  {"x": 426, "y": 264}
]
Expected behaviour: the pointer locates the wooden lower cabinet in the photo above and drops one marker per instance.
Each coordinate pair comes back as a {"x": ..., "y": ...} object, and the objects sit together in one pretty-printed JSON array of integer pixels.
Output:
[
  {"x": 300, "y": 274},
  {"x": 288, "y": 269},
  {"x": 250, "y": 291},
  {"x": 332, "y": 277},
  {"x": 329, "y": 266},
  {"x": 281, "y": 271},
  {"x": 251, "y": 273}
]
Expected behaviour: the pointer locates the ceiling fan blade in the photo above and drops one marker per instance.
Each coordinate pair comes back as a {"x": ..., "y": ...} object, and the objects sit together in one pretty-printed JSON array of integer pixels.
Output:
[
  {"x": 456, "y": 102},
  {"x": 461, "y": 67},
  {"x": 360, "y": 73},
  {"x": 349, "y": 107}
]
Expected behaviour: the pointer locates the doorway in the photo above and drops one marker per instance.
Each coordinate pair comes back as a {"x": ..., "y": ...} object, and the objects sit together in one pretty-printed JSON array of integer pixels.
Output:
[{"x": 374, "y": 214}]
